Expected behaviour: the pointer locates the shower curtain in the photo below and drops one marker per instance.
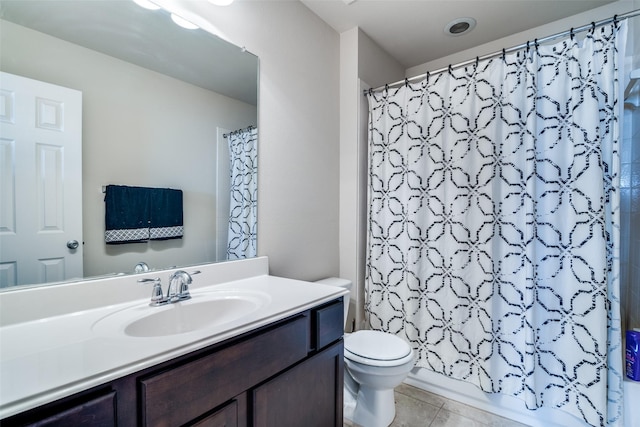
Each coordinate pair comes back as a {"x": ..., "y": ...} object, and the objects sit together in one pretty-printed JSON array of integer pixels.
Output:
[
  {"x": 243, "y": 152},
  {"x": 493, "y": 223}
]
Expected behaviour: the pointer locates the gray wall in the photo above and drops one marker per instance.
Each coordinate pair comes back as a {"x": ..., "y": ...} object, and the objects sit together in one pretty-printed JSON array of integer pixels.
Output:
[{"x": 298, "y": 128}]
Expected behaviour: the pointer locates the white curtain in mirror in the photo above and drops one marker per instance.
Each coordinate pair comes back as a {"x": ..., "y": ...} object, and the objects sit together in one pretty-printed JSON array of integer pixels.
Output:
[{"x": 243, "y": 153}]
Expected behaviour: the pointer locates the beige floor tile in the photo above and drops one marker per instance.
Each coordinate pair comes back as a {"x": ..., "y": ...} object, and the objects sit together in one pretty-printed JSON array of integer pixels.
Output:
[
  {"x": 419, "y": 408},
  {"x": 420, "y": 394},
  {"x": 486, "y": 418},
  {"x": 449, "y": 419},
  {"x": 412, "y": 412}
]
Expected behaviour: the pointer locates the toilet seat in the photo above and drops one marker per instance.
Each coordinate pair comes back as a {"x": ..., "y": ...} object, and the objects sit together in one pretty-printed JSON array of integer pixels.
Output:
[{"x": 375, "y": 348}]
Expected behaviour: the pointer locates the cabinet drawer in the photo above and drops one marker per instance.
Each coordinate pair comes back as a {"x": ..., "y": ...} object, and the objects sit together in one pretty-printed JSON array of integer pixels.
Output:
[
  {"x": 329, "y": 324},
  {"x": 99, "y": 411},
  {"x": 179, "y": 395}
]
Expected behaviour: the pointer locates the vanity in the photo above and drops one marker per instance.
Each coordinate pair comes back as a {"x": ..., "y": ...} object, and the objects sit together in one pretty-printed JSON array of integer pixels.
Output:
[{"x": 274, "y": 359}]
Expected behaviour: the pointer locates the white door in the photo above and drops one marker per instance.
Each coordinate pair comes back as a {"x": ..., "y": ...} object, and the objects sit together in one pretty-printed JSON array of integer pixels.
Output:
[{"x": 40, "y": 181}]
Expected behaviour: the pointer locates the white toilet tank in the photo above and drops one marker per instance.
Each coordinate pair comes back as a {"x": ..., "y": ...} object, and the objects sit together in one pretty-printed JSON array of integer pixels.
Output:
[{"x": 342, "y": 283}]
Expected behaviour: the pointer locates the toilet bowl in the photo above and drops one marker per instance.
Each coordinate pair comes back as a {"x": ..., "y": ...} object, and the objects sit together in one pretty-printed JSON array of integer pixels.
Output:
[{"x": 375, "y": 363}]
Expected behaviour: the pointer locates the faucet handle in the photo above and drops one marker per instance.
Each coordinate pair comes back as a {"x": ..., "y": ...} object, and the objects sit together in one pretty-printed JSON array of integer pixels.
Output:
[
  {"x": 183, "y": 293},
  {"x": 157, "y": 298},
  {"x": 184, "y": 285},
  {"x": 141, "y": 267}
]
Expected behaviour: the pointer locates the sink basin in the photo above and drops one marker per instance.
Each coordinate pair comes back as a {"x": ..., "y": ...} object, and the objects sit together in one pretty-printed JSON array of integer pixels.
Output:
[{"x": 203, "y": 311}]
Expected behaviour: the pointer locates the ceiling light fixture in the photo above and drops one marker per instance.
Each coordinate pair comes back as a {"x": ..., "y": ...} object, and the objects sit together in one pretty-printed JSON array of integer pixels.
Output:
[
  {"x": 183, "y": 22},
  {"x": 460, "y": 26},
  {"x": 147, "y": 4},
  {"x": 221, "y": 2}
]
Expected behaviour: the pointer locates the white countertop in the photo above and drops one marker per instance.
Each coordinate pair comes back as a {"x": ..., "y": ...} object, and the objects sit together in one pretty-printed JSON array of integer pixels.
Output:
[{"x": 44, "y": 359}]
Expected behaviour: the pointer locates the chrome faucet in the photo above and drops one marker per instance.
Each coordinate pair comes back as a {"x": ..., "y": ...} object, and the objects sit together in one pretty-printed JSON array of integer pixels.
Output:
[
  {"x": 179, "y": 286},
  {"x": 178, "y": 289}
]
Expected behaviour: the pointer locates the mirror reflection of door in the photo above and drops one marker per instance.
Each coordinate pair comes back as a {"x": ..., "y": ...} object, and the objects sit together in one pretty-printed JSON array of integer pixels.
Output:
[{"x": 41, "y": 178}]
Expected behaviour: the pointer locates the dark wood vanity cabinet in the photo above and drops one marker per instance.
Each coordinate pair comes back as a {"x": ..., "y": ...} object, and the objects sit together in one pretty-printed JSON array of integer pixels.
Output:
[
  {"x": 289, "y": 373},
  {"x": 309, "y": 394}
]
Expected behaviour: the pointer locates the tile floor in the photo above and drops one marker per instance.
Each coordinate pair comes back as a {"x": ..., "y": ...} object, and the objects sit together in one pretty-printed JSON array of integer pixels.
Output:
[{"x": 418, "y": 408}]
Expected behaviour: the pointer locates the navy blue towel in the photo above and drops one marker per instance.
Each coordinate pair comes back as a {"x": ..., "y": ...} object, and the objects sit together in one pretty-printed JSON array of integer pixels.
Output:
[
  {"x": 166, "y": 214},
  {"x": 137, "y": 214},
  {"x": 126, "y": 214}
]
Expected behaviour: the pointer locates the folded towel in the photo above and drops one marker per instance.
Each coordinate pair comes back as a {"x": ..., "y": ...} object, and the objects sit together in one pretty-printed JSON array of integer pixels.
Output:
[
  {"x": 166, "y": 214},
  {"x": 137, "y": 214},
  {"x": 126, "y": 214}
]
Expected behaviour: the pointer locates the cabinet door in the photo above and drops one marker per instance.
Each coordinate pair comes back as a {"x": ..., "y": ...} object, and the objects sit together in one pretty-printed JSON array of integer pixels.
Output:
[
  {"x": 309, "y": 394},
  {"x": 225, "y": 417}
]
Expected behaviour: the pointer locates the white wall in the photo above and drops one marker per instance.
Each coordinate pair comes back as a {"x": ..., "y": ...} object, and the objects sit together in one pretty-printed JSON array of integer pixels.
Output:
[
  {"x": 630, "y": 193},
  {"x": 298, "y": 128},
  {"x": 362, "y": 64},
  {"x": 174, "y": 146},
  {"x": 350, "y": 209},
  {"x": 375, "y": 66}
]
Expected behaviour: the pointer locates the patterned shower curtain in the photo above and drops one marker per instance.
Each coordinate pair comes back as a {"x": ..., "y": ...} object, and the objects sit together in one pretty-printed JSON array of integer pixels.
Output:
[
  {"x": 494, "y": 225},
  {"x": 243, "y": 219}
]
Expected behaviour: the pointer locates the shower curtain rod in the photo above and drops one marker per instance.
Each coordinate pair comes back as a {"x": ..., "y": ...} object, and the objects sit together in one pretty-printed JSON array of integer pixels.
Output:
[
  {"x": 511, "y": 49},
  {"x": 224, "y": 135}
]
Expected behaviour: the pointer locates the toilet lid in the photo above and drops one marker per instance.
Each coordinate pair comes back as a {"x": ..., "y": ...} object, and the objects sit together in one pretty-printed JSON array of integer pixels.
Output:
[{"x": 376, "y": 348}]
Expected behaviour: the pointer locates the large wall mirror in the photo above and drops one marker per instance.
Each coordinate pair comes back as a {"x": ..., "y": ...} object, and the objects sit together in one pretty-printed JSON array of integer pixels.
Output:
[{"x": 158, "y": 104}]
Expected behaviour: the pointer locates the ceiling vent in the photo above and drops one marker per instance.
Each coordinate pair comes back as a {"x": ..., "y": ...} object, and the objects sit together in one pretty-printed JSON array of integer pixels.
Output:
[{"x": 460, "y": 26}]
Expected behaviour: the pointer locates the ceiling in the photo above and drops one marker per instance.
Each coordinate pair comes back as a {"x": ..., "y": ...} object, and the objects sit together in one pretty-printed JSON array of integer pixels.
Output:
[
  {"x": 412, "y": 31},
  {"x": 146, "y": 38}
]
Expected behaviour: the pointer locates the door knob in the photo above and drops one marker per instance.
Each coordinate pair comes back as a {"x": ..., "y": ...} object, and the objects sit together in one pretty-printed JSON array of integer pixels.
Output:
[{"x": 73, "y": 244}]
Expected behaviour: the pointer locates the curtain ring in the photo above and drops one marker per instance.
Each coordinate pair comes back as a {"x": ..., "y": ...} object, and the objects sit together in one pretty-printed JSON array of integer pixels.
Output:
[
  {"x": 428, "y": 75},
  {"x": 406, "y": 81},
  {"x": 615, "y": 19},
  {"x": 593, "y": 27},
  {"x": 504, "y": 54},
  {"x": 571, "y": 33},
  {"x": 450, "y": 69},
  {"x": 527, "y": 46}
]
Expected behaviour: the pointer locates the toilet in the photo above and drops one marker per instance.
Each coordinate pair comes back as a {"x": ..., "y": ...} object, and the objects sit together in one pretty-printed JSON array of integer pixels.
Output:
[{"x": 375, "y": 363}]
